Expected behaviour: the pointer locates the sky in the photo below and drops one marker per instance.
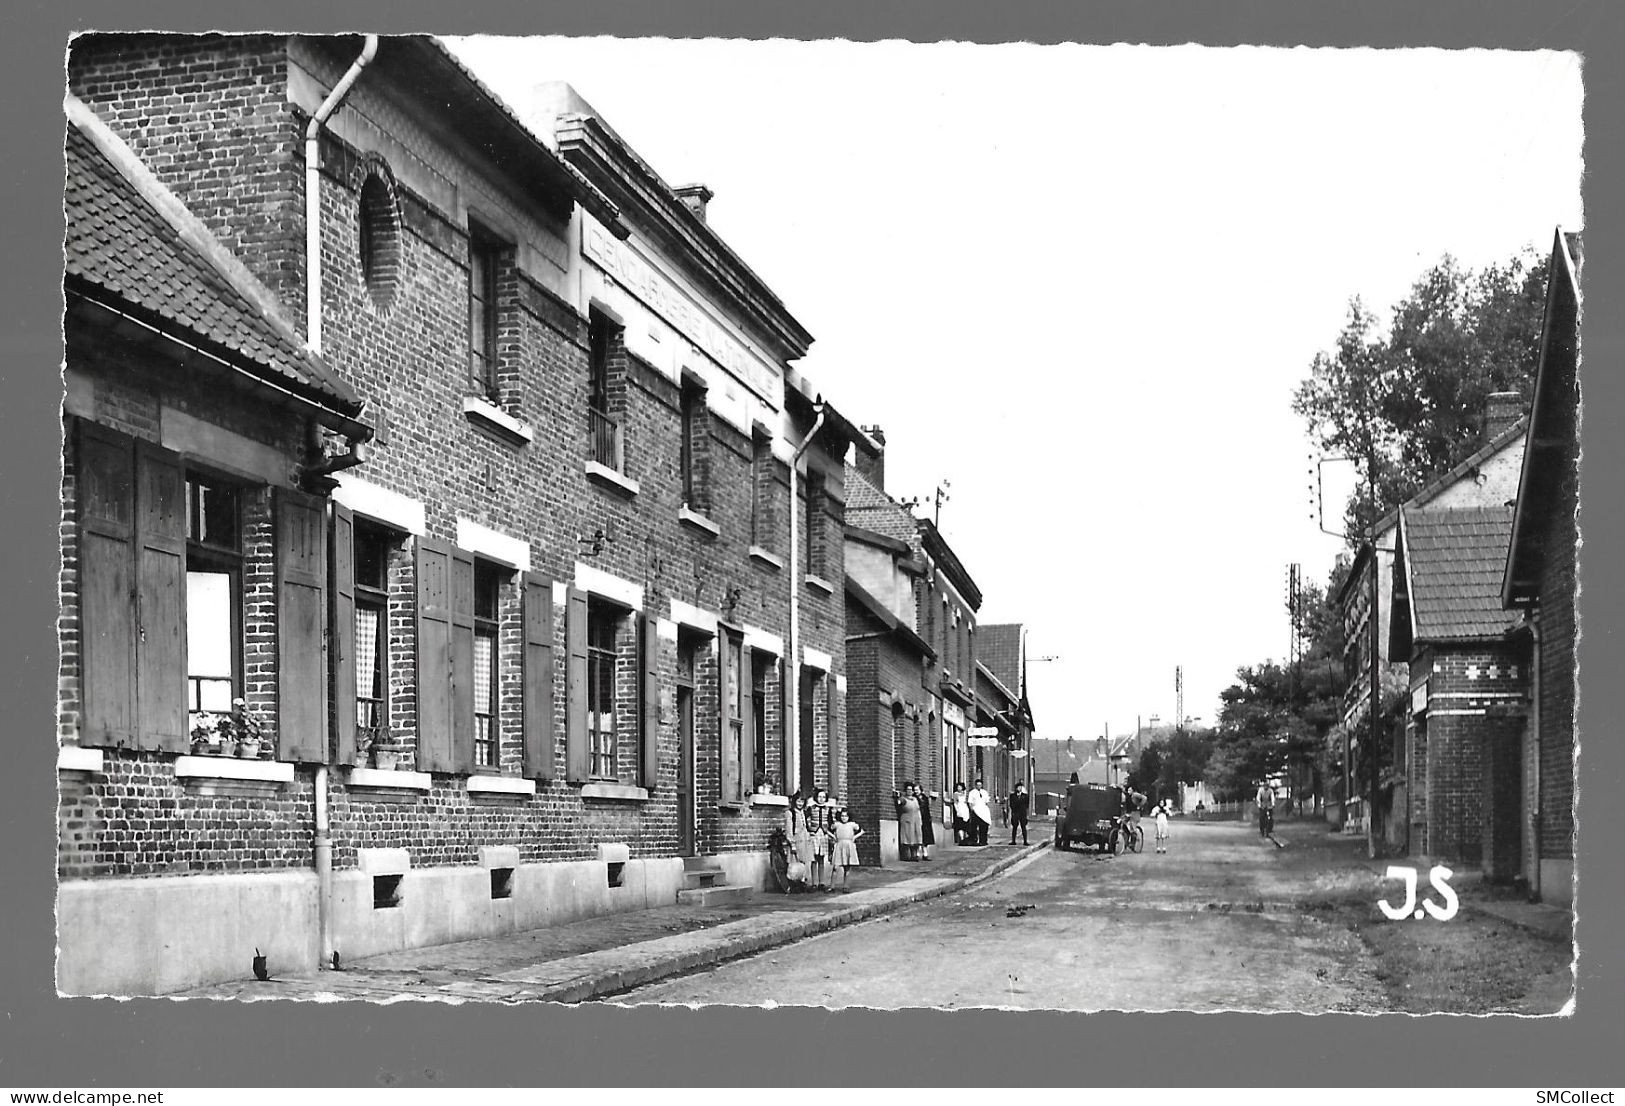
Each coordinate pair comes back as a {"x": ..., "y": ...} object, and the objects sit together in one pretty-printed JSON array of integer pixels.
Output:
[{"x": 1079, "y": 284}]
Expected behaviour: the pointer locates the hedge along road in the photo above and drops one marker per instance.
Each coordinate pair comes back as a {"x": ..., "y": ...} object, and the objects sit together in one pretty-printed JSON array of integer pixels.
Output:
[{"x": 1217, "y": 923}]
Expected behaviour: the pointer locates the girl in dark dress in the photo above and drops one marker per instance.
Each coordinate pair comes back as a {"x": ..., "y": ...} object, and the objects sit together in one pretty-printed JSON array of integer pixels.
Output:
[{"x": 928, "y": 836}]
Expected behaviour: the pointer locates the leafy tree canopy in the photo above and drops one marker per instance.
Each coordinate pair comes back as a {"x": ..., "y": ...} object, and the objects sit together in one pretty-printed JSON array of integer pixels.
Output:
[{"x": 1407, "y": 405}]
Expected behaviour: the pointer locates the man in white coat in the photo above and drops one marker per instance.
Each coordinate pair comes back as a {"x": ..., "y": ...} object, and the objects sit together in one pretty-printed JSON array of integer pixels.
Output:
[{"x": 981, "y": 813}]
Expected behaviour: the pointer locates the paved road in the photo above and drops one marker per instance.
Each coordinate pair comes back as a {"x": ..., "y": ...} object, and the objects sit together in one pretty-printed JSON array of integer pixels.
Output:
[{"x": 1214, "y": 924}]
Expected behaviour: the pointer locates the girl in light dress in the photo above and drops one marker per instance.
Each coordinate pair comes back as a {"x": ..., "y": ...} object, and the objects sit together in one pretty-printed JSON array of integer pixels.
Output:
[
  {"x": 845, "y": 845},
  {"x": 821, "y": 824},
  {"x": 1162, "y": 826},
  {"x": 795, "y": 828}
]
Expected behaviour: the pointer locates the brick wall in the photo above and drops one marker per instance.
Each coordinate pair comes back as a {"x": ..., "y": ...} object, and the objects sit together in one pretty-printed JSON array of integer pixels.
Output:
[
  {"x": 1559, "y": 595},
  {"x": 1476, "y": 697}
]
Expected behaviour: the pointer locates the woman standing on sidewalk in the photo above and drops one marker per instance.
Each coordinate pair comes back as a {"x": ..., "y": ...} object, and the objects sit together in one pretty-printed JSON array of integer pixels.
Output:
[
  {"x": 795, "y": 828},
  {"x": 821, "y": 825},
  {"x": 928, "y": 835},
  {"x": 908, "y": 822},
  {"x": 961, "y": 814},
  {"x": 847, "y": 833}
]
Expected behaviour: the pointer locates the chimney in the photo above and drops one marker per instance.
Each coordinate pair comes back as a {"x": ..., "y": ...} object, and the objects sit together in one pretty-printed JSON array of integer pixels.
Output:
[
  {"x": 872, "y": 466},
  {"x": 1501, "y": 410},
  {"x": 694, "y": 197}
]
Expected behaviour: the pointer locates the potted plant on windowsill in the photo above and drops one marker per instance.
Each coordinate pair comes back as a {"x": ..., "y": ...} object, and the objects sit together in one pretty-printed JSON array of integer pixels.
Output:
[
  {"x": 385, "y": 752},
  {"x": 207, "y": 738}
]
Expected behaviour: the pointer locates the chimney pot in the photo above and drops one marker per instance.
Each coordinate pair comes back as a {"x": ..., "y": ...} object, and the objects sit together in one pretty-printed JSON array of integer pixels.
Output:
[
  {"x": 694, "y": 197},
  {"x": 1501, "y": 410}
]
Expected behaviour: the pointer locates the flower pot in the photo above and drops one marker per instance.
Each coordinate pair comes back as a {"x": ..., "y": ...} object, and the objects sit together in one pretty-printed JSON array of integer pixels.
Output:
[
  {"x": 385, "y": 759},
  {"x": 248, "y": 750}
]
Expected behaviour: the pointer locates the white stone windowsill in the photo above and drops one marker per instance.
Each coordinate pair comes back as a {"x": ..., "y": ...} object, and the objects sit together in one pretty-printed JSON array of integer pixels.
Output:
[
  {"x": 478, "y": 407},
  {"x": 389, "y": 777},
  {"x": 71, "y": 758},
  {"x": 620, "y": 792},
  {"x": 769, "y": 560},
  {"x": 500, "y": 785},
  {"x": 603, "y": 474},
  {"x": 769, "y": 800},
  {"x": 233, "y": 768},
  {"x": 698, "y": 522},
  {"x": 818, "y": 583}
]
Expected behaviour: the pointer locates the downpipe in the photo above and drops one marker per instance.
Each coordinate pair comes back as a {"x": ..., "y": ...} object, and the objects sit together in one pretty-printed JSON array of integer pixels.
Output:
[
  {"x": 322, "y": 843},
  {"x": 794, "y": 674}
]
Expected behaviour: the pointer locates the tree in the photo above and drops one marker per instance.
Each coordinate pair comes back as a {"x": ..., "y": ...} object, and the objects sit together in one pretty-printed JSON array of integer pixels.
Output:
[{"x": 1407, "y": 405}]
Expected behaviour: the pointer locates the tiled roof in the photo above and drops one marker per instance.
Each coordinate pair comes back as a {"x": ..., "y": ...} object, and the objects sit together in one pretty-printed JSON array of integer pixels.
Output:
[
  {"x": 999, "y": 647},
  {"x": 1454, "y": 561},
  {"x": 154, "y": 260},
  {"x": 869, "y": 507}
]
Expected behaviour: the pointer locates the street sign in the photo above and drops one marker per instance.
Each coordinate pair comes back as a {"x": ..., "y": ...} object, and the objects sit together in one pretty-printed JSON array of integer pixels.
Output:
[
  {"x": 983, "y": 731},
  {"x": 982, "y": 742}
]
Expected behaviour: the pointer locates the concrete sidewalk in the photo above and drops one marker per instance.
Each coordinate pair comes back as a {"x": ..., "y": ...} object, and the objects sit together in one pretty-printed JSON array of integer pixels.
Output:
[{"x": 604, "y": 955}]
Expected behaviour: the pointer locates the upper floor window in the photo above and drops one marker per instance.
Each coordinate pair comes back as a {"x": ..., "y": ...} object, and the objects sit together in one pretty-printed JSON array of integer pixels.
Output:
[
  {"x": 694, "y": 448},
  {"x": 378, "y": 237},
  {"x": 484, "y": 253},
  {"x": 606, "y": 398},
  {"x": 372, "y": 545}
]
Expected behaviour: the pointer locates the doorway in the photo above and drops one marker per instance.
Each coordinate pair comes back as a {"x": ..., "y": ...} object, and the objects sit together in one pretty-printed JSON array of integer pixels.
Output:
[
  {"x": 687, "y": 648},
  {"x": 806, "y": 765}
]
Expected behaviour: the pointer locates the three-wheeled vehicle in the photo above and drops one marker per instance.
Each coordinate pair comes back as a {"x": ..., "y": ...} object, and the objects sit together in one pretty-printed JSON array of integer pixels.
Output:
[{"x": 1089, "y": 812}]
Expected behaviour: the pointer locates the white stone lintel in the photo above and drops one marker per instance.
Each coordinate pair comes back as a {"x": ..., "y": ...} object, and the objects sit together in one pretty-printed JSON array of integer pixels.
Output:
[
  {"x": 386, "y": 777},
  {"x": 614, "y": 852},
  {"x": 764, "y": 642},
  {"x": 816, "y": 658},
  {"x": 500, "y": 785},
  {"x": 693, "y": 617},
  {"x": 595, "y": 581},
  {"x": 769, "y": 800},
  {"x": 499, "y": 856},
  {"x": 380, "y": 504},
  {"x": 840, "y": 684},
  {"x": 493, "y": 545}
]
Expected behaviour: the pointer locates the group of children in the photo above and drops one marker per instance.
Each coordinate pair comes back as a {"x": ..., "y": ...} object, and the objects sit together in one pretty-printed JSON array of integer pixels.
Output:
[{"x": 823, "y": 837}]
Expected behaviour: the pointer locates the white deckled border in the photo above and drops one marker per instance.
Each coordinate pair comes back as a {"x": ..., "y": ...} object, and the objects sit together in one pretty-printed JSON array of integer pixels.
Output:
[
  {"x": 492, "y": 544},
  {"x": 501, "y": 785},
  {"x": 233, "y": 768},
  {"x": 595, "y": 581},
  {"x": 391, "y": 508}
]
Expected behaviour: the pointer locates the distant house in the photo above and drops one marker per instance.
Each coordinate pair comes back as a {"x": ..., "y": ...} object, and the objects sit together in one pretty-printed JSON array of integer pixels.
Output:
[
  {"x": 1468, "y": 680},
  {"x": 1539, "y": 583},
  {"x": 1002, "y": 704}
]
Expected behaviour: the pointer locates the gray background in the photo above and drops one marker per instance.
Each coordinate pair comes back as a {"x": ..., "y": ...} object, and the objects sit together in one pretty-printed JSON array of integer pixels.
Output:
[{"x": 48, "y": 1043}]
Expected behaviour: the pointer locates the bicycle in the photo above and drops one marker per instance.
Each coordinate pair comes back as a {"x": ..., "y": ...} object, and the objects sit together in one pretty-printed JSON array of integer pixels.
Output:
[{"x": 1126, "y": 834}]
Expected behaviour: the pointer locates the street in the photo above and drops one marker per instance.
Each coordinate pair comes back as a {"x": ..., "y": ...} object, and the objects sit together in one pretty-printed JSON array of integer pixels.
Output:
[{"x": 1223, "y": 921}]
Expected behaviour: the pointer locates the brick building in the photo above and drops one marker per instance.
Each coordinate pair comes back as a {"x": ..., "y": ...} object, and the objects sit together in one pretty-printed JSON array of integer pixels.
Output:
[
  {"x": 914, "y": 579},
  {"x": 1467, "y": 686},
  {"x": 1540, "y": 583},
  {"x": 563, "y": 641},
  {"x": 1487, "y": 477},
  {"x": 1002, "y": 704}
]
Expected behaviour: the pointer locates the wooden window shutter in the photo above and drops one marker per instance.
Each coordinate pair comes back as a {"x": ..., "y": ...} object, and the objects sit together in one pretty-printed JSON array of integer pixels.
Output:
[
  {"x": 433, "y": 572},
  {"x": 160, "y": 500},
  {"x": 462, "y": 662},
  {"x": 341, "y": 639},
  {"x": 538, "y": 676},
  {"x": 725, "y": 743},
  {"x": 832, "y": 699},
  {"x": 575, "y": 691},
  {"x": 747, "y": 709},
  {"x": 107, "y": 617},
  {"x": 649, "y": 655},
  {"x": 301, "y": 591}
]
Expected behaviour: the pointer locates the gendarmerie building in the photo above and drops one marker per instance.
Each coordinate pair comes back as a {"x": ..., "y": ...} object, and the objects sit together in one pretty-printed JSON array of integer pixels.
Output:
[{"x": 463, "y": 558}]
